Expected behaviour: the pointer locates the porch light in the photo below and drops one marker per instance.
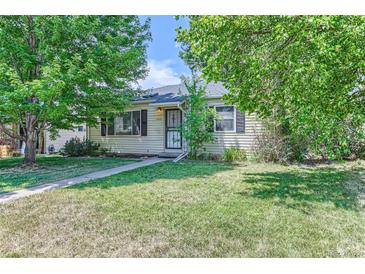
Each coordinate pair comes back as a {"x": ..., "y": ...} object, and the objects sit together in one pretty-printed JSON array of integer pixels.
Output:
[{"x": 159, "y": 109}]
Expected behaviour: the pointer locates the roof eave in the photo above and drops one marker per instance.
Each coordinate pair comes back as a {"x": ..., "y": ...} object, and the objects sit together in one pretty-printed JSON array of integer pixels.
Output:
[
  {"x": 142, "y": 101},
  {"x": 167, "y": 103},
  {"x": 215, "y": 97}
]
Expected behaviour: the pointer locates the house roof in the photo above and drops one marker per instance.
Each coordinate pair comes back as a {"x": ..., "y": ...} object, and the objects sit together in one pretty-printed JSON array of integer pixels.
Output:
[{"x": 178, "y": 93}]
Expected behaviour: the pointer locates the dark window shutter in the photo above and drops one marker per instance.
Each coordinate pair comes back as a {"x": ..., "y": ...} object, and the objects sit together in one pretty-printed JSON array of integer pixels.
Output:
[
  {"x": 240, "y": 122},
  {"x": 103, "y": 127},
  {"x": 210, "y": 125},
  {"x": 144, "y": 122},
  {"x": 111, "y": 126},
  {"x": 136, "y": 122}
]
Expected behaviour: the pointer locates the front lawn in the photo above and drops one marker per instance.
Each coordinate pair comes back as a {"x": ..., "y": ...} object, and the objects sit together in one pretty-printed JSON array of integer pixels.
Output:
[
  {"x": 194, "y": 209},
  {"x": 50, "y": 168}
]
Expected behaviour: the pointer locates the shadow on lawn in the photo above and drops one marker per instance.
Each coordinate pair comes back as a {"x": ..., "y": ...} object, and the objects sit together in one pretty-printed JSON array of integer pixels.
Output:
[
  {"x": 302, "y": 188},
  {"x": 166, "y": 170}
]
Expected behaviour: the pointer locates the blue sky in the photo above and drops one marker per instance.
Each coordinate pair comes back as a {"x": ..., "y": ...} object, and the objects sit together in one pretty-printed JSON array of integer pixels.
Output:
[{"x": 163, "y": 53}]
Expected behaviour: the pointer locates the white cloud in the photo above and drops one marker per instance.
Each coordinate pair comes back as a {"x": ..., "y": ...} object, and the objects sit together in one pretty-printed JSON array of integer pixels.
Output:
[{"x": 160, "y": 74}]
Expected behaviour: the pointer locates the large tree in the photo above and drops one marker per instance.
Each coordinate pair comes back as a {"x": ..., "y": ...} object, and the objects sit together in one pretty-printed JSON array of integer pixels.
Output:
[
  {"x": 308, "y": 69},
  {"x": 58, "y": 71}
]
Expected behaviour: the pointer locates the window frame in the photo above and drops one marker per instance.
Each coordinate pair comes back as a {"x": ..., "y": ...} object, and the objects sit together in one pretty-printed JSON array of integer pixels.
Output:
[
  {"x": 234, "y": 119},
  {"x": 129, "y": 135}
]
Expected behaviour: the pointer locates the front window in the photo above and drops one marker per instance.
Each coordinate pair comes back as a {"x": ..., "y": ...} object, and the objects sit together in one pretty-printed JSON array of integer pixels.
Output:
[
  {"x": 226, "y": 121},
  {"x": 128, "y": 123}
]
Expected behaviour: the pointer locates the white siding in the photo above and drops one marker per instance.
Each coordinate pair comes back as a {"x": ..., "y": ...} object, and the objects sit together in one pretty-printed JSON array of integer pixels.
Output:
[
  {"x": 153, "y": 143},
  {"x": 63, "y": 136},
  {"x": 243, "y": 140}
]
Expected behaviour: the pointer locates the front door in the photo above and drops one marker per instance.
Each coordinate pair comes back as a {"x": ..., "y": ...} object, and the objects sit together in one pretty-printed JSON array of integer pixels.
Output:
[{"x": 173, "y": 129}]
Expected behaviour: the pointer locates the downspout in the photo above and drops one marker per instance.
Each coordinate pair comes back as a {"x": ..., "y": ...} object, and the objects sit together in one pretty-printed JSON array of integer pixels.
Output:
[{"x": 179, "y": 107}]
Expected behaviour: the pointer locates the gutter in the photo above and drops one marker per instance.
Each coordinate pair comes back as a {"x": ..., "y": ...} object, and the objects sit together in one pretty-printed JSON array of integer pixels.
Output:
[
  {"x": 215, "y": 96},
  {"x": 142, "y": 102},
  {"x": 166, "y": 104}
]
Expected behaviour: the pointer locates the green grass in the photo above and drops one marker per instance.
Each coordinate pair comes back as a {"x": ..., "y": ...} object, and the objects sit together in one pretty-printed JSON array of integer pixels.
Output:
[
  {"x": 50, "y": 168},
  {"x": 195, "y": 209}
]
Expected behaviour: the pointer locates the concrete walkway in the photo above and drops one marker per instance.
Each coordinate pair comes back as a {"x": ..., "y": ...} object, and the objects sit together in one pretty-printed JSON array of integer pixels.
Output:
[{"x": 10, "y": 196}]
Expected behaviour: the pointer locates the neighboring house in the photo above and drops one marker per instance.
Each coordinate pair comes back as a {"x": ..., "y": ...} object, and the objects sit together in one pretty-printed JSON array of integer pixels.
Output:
[
  {"x": 151, "y": 125},
  {"x": 63, "y": 136},
  {"x": 45, "y": 144}
]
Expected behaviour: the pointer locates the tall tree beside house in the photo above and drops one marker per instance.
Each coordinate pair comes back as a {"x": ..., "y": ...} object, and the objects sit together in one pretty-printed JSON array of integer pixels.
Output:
[
  {"x": 58, "y": 71},
  {"x": 197, "y": 128},
  {"x": 308, "y": 69}
]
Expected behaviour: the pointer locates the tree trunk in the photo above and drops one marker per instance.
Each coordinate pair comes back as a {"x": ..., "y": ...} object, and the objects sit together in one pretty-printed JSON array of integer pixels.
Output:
[
  {"x": 30, "y": 140},
  {"x": 30, "y": 124},
  {"x": 30, "y": 150}
]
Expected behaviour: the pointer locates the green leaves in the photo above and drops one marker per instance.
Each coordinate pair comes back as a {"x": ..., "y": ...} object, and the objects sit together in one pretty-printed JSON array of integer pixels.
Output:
[
  {"x": 78, "y": 67},
  {"x": 198, "y": 117},
  {"x": 308, "y": 68}
]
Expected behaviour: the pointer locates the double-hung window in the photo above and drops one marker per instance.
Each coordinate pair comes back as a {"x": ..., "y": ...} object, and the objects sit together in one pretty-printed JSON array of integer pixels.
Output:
[
  {"x": 129, "y": 123},
  {"x": 226, "y": 121}
]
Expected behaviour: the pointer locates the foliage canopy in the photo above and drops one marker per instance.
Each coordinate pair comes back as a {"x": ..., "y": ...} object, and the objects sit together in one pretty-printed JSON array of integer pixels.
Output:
[
  {"x": 198, "y": 118},
  {"x": 58, "y": 71},
  {"x": 308, "y": 69}
]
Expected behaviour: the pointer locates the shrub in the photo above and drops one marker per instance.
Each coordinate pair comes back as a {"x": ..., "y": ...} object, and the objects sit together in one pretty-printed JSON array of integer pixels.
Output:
[
  {"x": 361, "y": 153},
  {"x": 270, "y": 147},
  {"x": 234, "y": 154},
  {"x": 104, "y": 150},
  {"x": 77, "y": 147},
  {"x": 275, "y": 145},
  {"x": 357, "y": 148},
  {"x": 356, "y": 137},
  {"x": 205, "y": 156}
]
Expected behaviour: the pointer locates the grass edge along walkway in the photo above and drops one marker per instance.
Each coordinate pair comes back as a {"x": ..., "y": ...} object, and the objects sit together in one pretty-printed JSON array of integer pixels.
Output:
[{"x": 10, "y": 196}]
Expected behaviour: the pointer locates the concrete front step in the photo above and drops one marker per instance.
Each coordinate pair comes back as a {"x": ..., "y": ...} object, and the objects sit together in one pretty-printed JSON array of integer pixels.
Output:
[{"x": 168, "y": 154}]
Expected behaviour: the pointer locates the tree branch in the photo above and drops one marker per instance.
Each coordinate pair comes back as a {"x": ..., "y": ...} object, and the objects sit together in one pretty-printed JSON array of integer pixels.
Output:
[
  {"x": 16, "y": 68},
  {"x": 10, "y": 134},
  {"x": 21, "y": 123}
]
